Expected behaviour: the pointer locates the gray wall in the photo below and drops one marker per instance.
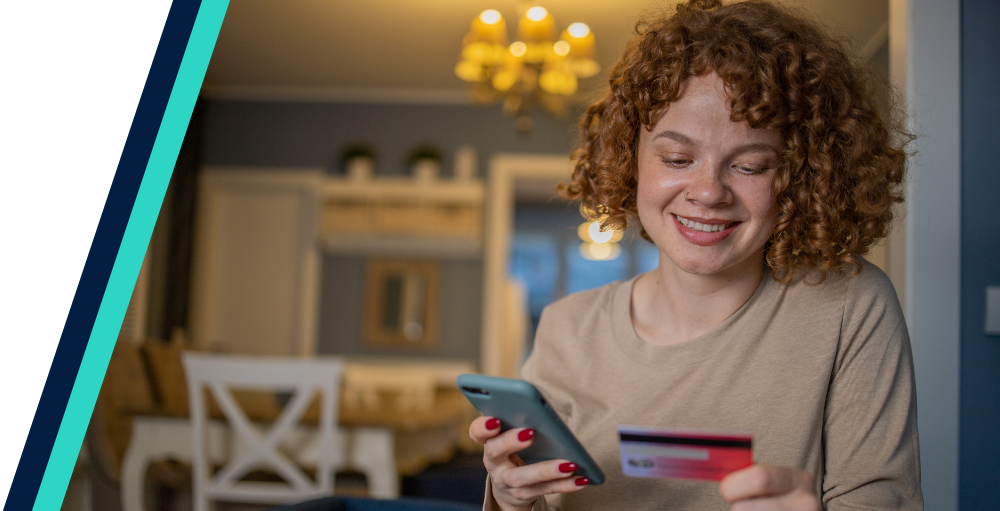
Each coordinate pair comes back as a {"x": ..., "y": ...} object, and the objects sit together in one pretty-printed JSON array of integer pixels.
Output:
[
  {"x": 314, "y": 134},
  {"x": 284, "y": 134},
  {"x": 341, "y": 327}
]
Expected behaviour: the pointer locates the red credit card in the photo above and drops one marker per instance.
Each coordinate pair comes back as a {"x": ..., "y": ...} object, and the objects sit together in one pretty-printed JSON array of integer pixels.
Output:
[{"x": 682, "y": 454}]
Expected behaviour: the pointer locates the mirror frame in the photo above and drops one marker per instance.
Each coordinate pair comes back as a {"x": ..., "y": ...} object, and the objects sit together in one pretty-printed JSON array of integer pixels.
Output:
[{"x": 376, "y": 334}]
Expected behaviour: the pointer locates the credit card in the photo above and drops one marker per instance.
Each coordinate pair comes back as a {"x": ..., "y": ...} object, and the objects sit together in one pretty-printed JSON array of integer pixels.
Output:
[{"x": 682, "y": 454}]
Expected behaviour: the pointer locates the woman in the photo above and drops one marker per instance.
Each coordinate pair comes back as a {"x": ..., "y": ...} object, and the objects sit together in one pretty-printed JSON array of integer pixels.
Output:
[{"x": 751, "y": 149}]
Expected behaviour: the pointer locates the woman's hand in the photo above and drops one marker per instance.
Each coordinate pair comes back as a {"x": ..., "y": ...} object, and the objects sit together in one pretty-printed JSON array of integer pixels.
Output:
[
  {"x": 766, "y": 487},
  {"x": 516, "y": 486}
]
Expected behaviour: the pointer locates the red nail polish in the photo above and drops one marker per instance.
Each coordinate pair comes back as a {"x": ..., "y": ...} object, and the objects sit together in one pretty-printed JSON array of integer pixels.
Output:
[
  {"x": 526, "y": 435},
  {"x": 567, "y": 467},
  {"x": 582, "y": 481},
  {"x": 493, "y": 423}
]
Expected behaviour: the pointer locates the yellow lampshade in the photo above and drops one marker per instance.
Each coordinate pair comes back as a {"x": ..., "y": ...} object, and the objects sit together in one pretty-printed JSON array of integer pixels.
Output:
[
  {"x": 470, "y": 71},
  {"x": 536, "y": 26},
  {"x": 489, "y": 27},
  {"x": 510, "y": 72},
  {"x": 558, "y": 80},
  {"x": 582, "y": 56},
  {"x": 537, "y": 29},
  {"x": 483, "y": 53},
  {"x": 486, "y": 41},
  {"x": 505, "y": 79}
]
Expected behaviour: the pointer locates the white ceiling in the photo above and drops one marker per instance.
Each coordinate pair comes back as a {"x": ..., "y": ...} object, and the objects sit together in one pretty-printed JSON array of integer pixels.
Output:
[{"x": 406, "y": 49}]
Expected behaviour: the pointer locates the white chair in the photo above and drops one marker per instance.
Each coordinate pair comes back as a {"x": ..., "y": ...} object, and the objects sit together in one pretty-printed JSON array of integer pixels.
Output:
[
  {"x": 163, "y": 438},
  {"x": 304, "y": 379}
]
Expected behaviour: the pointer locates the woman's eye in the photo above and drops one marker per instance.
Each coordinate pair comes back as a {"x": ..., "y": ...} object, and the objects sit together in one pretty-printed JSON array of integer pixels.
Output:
[
  {"x": 676, "y": 162},
  {"x": 752, "y": 169}
]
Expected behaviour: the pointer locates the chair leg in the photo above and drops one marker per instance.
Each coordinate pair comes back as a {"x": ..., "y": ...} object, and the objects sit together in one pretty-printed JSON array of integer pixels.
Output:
[
  {"x": 199, "y": 499},
  {"x": 373, "y": 453}
]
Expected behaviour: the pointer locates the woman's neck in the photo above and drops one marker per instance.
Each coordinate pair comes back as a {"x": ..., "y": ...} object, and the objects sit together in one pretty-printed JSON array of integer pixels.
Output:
[{"x": 671, "y": 306}]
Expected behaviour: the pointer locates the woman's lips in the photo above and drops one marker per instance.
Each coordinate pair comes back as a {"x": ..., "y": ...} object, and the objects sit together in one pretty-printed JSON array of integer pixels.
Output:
[{"x": 704, "y": 232}]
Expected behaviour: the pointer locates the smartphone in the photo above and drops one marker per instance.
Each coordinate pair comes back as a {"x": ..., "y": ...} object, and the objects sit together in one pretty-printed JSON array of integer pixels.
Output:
[{"x": 518, "y": 404}]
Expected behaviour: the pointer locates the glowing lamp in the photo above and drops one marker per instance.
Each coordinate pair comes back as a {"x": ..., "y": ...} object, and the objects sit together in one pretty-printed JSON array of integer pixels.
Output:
[
  {"x": 582, "y": 56},
  {"x": 536, "y": 26},
  {"x": 470, "y": 71},
  {"x": 600, "y": 251},
  {"x": 558, "y": 81},
  {"x": 485, "y": 43}
]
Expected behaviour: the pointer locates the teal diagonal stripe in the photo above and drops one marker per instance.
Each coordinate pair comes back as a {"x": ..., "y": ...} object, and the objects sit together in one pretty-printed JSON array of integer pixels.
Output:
[{"x": 129, "y": 259}]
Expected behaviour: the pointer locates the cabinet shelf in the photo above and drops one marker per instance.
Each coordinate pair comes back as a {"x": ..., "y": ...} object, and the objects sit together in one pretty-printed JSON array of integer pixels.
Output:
[
  {"x": 403, "y": 189},
  {"x": 402, "y": 217}
]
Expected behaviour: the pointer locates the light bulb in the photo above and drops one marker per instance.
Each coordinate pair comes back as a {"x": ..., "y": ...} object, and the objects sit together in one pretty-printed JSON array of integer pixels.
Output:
[
  {"x": 578, "y": 30},
  {"x": 599, "y": 236},
  {"x": 490, "y": 16},
  {"x": 600, "y": 251},
  {"x": 561, "y": 48},
  {"x": 518, "y": 49},
  {"x": 537, "y": 13}
]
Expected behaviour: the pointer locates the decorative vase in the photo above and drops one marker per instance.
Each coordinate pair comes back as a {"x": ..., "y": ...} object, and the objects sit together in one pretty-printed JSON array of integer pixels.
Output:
[{"x": 465, "y": 163}]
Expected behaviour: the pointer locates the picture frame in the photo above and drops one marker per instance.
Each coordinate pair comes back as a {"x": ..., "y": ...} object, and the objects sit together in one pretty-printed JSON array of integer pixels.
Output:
[{"x": 401, "y": 306}]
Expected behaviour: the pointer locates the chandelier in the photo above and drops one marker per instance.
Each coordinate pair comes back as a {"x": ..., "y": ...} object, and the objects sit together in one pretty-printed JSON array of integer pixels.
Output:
[{"x": 537, "y": 69}]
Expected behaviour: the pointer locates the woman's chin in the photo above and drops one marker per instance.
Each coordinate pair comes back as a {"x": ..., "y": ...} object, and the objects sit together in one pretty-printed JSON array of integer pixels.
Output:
[
  {"x": 708, "y": 266},
  {"x": 695, "y": 266}
]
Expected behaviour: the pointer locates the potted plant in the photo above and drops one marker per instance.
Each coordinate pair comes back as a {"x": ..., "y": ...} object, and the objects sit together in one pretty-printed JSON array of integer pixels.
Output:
[
  {"x": 425, "y": 163},
  {"x": 358, "y": 161}
]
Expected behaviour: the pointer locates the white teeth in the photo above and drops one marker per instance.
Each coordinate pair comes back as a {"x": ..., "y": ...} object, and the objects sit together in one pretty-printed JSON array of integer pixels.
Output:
[{"x": 698, "y": 226}]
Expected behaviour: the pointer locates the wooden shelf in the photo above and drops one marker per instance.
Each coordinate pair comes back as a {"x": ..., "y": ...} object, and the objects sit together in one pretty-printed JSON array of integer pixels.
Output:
[
  {"x": 402, "y": 217},
  {"x": 403, "y": 190}
]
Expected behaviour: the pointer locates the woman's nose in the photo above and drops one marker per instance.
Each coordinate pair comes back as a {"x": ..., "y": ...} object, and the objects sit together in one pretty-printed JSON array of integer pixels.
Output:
[{"x": 709, "y": 190}]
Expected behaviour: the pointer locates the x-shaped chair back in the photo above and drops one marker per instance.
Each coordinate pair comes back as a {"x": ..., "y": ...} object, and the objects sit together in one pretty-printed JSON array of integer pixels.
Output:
[{"x": 304, "y": 378}]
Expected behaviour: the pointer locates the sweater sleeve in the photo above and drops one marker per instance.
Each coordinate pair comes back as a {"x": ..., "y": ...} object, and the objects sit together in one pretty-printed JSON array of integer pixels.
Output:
[{"x": 871, "y": 452}]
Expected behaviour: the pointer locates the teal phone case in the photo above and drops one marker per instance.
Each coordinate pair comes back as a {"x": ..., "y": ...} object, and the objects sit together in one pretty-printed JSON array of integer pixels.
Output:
[{"x": 518, "y": 404}]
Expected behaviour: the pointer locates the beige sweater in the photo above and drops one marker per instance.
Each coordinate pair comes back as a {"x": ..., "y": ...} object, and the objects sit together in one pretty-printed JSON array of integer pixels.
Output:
[{"x": 820, "y": 375}]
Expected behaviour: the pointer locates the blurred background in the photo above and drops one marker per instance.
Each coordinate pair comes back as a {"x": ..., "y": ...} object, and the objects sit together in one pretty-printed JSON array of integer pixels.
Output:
[{"x": 374, "y": 182}]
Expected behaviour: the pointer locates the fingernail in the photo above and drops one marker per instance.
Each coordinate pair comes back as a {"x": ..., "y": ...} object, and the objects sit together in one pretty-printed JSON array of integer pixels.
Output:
[
  {"x": 493, "y": 423},
  {"x": 582, "y": 481},
  {"x": 526, "y": 435},
  {"x": 567, "y": 467}
]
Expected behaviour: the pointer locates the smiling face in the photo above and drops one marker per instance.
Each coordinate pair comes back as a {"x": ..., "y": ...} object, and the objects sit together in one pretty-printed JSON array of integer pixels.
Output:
[{"x": 705, "y": 193}]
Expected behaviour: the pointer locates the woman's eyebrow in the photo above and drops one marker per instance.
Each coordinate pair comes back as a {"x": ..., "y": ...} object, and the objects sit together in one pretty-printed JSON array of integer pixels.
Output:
[
  {"x": 677, "y": 137},
  {"x": 756, "y": 147},
  {"x": 759, "y": 147}
]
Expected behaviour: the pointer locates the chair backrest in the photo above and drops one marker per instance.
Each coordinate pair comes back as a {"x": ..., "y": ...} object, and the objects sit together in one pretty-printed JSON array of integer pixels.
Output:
[{"x": 303, "y": 379}]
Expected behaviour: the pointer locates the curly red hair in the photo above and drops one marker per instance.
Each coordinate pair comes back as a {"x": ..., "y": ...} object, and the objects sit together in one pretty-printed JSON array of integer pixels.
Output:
[{"x": 843, "y": 158}]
